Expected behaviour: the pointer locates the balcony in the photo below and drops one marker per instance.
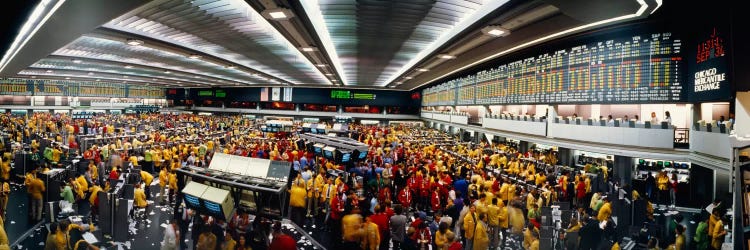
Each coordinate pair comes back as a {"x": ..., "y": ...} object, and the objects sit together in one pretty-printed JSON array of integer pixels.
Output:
[
  {"x": 711, "y": 138},
  {"x": 453, "y": 117},
  {"x": 518, "y": 124},
  {"x": 627, "y": 133}
]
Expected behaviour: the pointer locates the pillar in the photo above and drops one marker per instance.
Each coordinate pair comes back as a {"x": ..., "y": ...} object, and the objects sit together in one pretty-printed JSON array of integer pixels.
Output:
[
  {"x": 623, "y": 169},
  {"x": 566, "y": 156},
  {"x": 523, "y": 146}
]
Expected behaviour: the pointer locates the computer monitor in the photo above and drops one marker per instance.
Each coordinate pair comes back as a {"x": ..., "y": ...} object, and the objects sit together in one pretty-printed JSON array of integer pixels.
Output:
[
  {"x": 660, "y": 164},
  {"x": 362, "y": 155},
  {"x": 667, "y": 164},
  {"x": 218, "y": 203},
  {"x": 328, "y": 152},
  {"x": 318, "y": 148},
  {"x": 346, "y": 157},
  {"x": 192, "y": 202}
]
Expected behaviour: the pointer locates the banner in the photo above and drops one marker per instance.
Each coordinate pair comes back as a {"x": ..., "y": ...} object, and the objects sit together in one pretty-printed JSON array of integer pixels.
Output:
[
  {"x": 288, "y": 94},
  {"x": 275, "y": 94},
  {"x": 263, "y": 94}
]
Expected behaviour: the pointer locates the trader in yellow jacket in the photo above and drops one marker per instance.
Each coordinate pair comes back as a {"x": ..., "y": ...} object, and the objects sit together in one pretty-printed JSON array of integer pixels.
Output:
[
  {"x": 470, "y": 220},
  {"x": 297, "y": 203},
  {"x": 351, "y": 228},
  {"x": 147, "y": 179},
  {"x": 662, "y": 182},
  {"x": 139, "y": 197},
  {"x": 370, "y": 235},
  {"x": 493, "y": 217},
  {"x": 605, "y": 211},
  {"x": 163, "y": 181},
  {"x": 481, "y": 240}
]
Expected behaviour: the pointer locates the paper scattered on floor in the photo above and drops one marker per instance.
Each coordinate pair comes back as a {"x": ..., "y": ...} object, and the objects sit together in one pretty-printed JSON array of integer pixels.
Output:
[
  {"x": 164, "y": 225},
  {"x": 12, "y": 222},
  {"x": 41, "y": 243}
]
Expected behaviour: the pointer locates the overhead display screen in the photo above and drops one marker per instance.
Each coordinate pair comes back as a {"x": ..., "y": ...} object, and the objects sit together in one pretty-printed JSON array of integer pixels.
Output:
[
  {"x": 346, "y": 94},
  {"x": 638, "y": 69}
]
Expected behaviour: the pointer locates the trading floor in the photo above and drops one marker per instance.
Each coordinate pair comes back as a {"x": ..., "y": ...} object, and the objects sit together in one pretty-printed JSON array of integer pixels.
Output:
[{"x": 377, "y": 125}]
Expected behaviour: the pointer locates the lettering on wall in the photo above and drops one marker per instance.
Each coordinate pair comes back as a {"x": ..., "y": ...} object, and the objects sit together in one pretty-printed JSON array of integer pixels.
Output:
[{"x": 710, "y": 80}]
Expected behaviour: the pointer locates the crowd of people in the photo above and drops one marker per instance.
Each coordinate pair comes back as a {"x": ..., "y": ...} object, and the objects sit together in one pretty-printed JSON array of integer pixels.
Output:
[{"x": 413, "y": 191}]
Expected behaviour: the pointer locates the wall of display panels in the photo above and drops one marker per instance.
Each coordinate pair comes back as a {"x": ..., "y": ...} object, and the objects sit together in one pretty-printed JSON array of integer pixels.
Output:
[
  {"x": 85, "y": 89},
  {"x": 643, "y": 68}
]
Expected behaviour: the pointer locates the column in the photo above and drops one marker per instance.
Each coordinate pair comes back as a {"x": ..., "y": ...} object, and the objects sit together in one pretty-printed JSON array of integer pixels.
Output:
[
  {"x": 566, "y": 156},
  {"x": 623, "y": 169},
  {"x": 523, "y": 146}
]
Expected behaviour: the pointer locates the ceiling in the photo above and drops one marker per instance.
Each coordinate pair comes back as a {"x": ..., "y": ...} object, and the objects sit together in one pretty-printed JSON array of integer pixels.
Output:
[{"x": 394, "y": 44}]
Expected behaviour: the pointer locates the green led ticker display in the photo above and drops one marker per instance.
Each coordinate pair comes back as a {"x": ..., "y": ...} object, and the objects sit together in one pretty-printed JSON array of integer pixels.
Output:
[{"x": 346, "y": 94}]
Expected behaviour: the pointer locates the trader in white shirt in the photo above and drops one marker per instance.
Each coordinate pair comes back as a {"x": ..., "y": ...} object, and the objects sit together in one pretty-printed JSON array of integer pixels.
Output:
[
  {"x": 667, "y": 118},
  {"x": 171, "y": 237},
  {"x": 654, "y": 119}
]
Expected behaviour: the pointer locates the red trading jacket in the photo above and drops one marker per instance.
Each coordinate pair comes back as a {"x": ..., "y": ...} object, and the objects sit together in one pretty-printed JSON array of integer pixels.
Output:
[
  {"x": 337, "y": 208},
  {"x": 414, "y": 183},
  {"x": 405, "y": 197},
  {"x": 381, "y": 219},
  {"x": 435, "y": 201},
  {"x": 424, "y": 188}
]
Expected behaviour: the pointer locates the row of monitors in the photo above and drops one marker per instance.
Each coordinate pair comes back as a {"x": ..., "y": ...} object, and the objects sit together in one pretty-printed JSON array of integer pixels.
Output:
[
  {"x": 208, "y": 200},
  {"x": 332, "y": 153},
  {"x": 650, "y": 164},
  {"x": 314, "y": 130}
]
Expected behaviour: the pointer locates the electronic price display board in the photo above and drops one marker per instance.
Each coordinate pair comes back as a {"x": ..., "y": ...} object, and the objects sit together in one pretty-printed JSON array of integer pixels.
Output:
[
  {"x": 637, "y": 69},
  {"x": 346, "y": 94}
]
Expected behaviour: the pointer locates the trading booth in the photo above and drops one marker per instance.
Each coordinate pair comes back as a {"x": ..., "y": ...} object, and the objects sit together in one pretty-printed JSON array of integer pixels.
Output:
[{"x": 253, "y": 184}]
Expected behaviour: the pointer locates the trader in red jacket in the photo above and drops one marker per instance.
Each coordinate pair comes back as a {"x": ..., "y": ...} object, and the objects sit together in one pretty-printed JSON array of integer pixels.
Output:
[{"x": 405, "y": 197}]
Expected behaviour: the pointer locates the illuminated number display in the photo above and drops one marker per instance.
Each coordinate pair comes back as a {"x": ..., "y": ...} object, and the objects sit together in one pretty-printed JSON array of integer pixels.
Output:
[{"x": 638, "y": 69}]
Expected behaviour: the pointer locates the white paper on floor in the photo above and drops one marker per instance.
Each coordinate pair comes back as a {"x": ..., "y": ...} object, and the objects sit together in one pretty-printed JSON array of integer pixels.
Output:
[
  {"x": 12, "y": 222},
  {"x": 164, "y": 225},
  {"x": 41, "y": 243}
]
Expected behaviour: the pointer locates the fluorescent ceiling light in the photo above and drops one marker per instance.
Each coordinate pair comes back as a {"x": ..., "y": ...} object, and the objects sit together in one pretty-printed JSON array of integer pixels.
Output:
[
  {"x": 495, "y": 30},
  {"x": 194, "y": 56},
  {"x": 640, "y": 11},
  {"x": 320, "y": 65},
  {"x": 42, "y": 12},
  {"x": 422, "y": 69},
  {"x": 91, "y": 73},
  {"x": 467, "y": 19},
  {"x": 408, "y": 77},
  {"x": 98, "y": 80},
  {"x": 67, "y": 78},
  {"x": 134, "y": 42},
  {"x": 167, "y": 72},
  {"x": 77, "y": 61},
  {"x": 126, "y": 76},
  {"x": 315, "y": 15},
  {"x": 446, "y": 56},
  {"x": 231, "y": 67},
  {"x": 308, "y": 49},
  {"x": 33, "y": 76},
  {"x": 329, "y": 74},
  {"x": 49, "y": 71},
  {"x": 128, "y": 66},
  {"x": 277, "y": 14}
]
